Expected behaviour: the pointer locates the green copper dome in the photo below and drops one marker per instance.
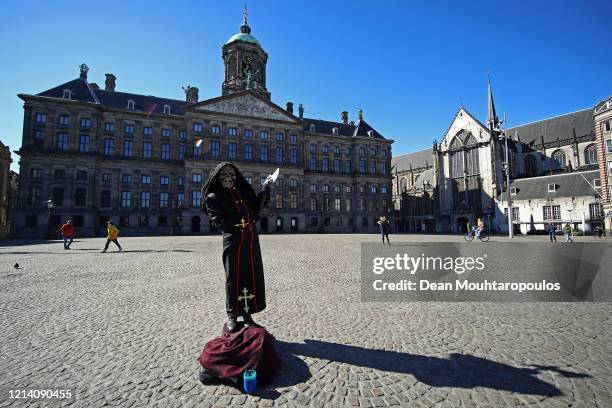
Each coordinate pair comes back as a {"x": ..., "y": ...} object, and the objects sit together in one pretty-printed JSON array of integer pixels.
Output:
[
  {"x": 243, "y": 37},
  {"x": 245, "y": 32}
]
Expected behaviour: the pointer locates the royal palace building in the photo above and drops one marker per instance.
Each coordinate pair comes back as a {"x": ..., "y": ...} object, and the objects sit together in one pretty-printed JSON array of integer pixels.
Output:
[{"x": 91, "y": 154}]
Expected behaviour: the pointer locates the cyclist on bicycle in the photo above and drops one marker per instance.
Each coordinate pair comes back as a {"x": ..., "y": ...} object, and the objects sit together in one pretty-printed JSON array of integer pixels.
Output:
[{"x": 479, "y": 228}]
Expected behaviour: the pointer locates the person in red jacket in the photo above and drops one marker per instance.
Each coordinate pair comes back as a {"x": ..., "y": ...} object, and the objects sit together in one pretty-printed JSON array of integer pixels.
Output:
[{"x": 67, "y": 233}]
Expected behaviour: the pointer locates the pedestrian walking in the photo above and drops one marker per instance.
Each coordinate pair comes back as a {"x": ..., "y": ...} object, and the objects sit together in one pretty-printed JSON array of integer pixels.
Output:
[
  {"x": 384, "y": 226},
  {"x": 550, "y": 228},
  {"x": 67, "y": 232},
  {"x": 567, "y": 231},
  {"x": 113, "y": 233}
]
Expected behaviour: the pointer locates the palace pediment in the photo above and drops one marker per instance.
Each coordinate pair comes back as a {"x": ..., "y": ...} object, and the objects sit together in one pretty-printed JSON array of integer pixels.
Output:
[{"x": 245, "y": 104}]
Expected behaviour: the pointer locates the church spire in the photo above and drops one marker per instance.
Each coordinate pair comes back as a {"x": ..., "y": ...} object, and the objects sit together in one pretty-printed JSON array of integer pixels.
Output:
[{"x": 492, "y": 119}]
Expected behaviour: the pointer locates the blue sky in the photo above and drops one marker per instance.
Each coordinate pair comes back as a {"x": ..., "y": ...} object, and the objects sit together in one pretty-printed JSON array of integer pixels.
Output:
[{"x": 407, "y": 65}]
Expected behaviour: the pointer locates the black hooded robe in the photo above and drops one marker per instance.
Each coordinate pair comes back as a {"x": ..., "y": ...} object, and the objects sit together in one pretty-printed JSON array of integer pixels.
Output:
[{"x": 235, "y": 212}]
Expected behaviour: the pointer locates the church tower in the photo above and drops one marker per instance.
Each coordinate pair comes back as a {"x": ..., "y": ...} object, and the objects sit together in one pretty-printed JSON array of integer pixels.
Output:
[{"x": 245, "y": 63}]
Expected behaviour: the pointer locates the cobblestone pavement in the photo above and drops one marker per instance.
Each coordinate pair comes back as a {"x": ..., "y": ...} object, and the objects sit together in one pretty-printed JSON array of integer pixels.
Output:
[{"x": 125, "y": 329}]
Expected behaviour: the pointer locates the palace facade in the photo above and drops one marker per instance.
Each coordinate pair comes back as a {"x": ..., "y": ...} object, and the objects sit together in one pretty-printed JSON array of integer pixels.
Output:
[{"x": 91, "y": 154}]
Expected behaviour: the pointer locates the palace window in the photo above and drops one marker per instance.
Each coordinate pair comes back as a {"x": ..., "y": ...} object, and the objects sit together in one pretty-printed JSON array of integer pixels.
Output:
[
  {"x": 312, "y": 128},
  {"x": 143, "y": 220},
  {"x": 109, "y": 127},
  {"x": 263, "y": 135},
  {"x": 196, "y": 178},
  {"x": 166, "y": 132},
  {"x": 147, "y": 150},
  {"x": 232, "y": 151},
  {"x": 215, "y": 129},
  {"x": 35, "y": 172},
  {"x": 215, "y": 149},
  {"x": 325, "y": 149},
  {"x": 313, "y": 188},
  {"x": 232, "y": 131},
  {"x": 249, "y": 179},
  {"x": 293, "y": 155},
  {"x": 198, "y": 127},
  {"x": 131, "y": 105},
  {"x": 81, "y": 175},
  {"x": 63, "y": 120},
  {"x": 325, "y": 203},
  {"x": 105, "y": 198},
  {"x": 280, "y": 136},
  {"x": 62, "y": 141},
  {"x": 39, "y": 135},
  {"x": 337, "y": 165},
  {"x": 128, "y": 129},
  {"x": 180, "y": 181},
  {"x": 126, "y": 179},
  {"x": 84, "y": 143},
  {"x": 313, "y": 164},
  {"x": 164, "y": 180},
  {"x": 197, "y": 148},
  {"x": 108, "y": 146},
  {"x": 349, "y": 204},
  {"x": 293, "y": 182},
  {"x": 325, "y": 166},
  {"x": 145, "y": 179},
  {"x": 163, "y": 200},
  {"x": 313, "y": 148},
  {"x": 166, "y": 109},
  {"x": 280, "y": 153},
  {"x": 362, "y": 166},
  {"x": 58, "y": 196},
  {"x": 293, "y": 138},
  {"x": 180, "y": 200},
  {"x": 248, "y": 133},
  {"x": 293, "y": 200},
  {"x": 147, "y": 131},
  {"x": 196, "y": 198},
  {"x": 337, "y": 150},
  {"x": 337, "y": 204},
  {"x": 313, "y": 204},
  {"x": 66, "y": 94},
  {"x": 107, "y": 177},
  {"x": 335, "y": 130},
  {"x": 126, "y": 199},
  {"x": 248, "y": 151},
  {"x": 34, "y": 196},
  {"x": 80, "y": 197},
  {"x": 41, "y": 117},
  {"x": 181, "y": 151},
  {"x": 165, "y": 151},
  {"x": 128, "y": 148},
  {"x": 347, "y": 166},
  {"x": 337, "y": 189},
  {"x": 85, "y": 122},
  {"x": 182, "y": 134},
  {"x": 325, "y": 188}
]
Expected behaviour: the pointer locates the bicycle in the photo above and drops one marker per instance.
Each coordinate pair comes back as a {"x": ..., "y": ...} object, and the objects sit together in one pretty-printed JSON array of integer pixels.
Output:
[{"x": 470, "y": 235}]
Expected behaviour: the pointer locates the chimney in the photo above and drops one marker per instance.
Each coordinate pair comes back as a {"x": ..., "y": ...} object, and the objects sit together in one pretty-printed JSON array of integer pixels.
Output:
[
  {"x": 301, "y": 110},
  {"x": 290, "y": 107},
  {"x": 344, "y": 116},
  {"x": 191, "y": 94},
  {"x": 360, "y": 114},
  {"x": 110, "y": 83}
]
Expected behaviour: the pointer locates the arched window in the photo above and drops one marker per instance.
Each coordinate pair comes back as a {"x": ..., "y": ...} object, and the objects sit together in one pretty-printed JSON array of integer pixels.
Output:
[
  {"x": 312, "y": 128},
  {"x": 403, "y": 185},
  {"x": 130, "y": 104},
  {"x": 559, "y": 157},
  {"x": 530, "y": 165},
  {"x": 590, "y": 154},
  {"x": 166, "y": 109}
]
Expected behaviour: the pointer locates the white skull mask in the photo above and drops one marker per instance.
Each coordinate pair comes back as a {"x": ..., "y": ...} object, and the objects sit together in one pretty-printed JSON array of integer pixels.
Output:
[{"x": 227, "y": 176}]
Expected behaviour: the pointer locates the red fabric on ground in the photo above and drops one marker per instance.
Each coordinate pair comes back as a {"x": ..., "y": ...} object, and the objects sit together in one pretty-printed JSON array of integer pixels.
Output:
[{"x": 233, "y": 353}]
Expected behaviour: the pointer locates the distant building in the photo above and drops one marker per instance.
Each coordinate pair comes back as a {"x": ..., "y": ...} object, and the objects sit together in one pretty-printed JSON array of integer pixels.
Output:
[
  {"x": 603, "y": 133},
  {"x": 462, "y": 177},
  {"x": 100, "y": 154},
  {"x": 5, "y": 189}
]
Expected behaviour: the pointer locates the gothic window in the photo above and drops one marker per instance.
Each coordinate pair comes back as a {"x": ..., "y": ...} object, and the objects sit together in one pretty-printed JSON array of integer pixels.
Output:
[
  {"x": 530, "y": 165},
  {"x": 590, "y": 154},
  {"x": 403, "y": 185},
  {"x": 560, "y": 158}
]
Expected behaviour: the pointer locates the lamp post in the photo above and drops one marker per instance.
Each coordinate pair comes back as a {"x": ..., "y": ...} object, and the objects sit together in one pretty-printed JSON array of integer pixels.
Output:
[{"x": 49, "y": 234}]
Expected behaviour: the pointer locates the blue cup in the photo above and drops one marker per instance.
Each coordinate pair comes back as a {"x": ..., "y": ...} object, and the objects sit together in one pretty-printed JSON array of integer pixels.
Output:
[{"x": 250, "y": 381}]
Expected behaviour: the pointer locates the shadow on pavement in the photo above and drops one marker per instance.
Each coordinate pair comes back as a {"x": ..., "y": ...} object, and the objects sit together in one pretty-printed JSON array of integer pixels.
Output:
[{"x": 458, "y": 370}]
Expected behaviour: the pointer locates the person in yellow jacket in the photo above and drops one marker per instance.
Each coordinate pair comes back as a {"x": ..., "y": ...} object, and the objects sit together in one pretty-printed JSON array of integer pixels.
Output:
[{"x": 113, "y": 233}]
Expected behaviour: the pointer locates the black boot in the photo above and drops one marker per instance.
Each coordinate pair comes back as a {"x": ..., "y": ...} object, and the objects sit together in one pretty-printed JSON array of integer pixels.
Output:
[
  {"x": 248, "y": 321},
  {"x": 231, "y": 323}
]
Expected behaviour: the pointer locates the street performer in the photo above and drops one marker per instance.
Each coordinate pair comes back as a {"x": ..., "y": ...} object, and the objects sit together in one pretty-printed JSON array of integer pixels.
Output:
[{"x": 233, "y": 207}]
